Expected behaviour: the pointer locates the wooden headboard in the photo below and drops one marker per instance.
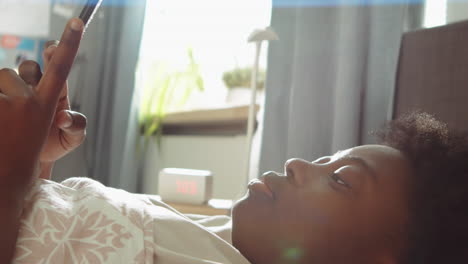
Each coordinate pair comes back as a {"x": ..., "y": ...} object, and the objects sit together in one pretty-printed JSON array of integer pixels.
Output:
[{"x": 432, "y": 74}]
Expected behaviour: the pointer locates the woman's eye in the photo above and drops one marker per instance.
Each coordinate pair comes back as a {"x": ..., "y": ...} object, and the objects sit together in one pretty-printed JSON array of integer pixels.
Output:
[{"x": 336, "y": 178}]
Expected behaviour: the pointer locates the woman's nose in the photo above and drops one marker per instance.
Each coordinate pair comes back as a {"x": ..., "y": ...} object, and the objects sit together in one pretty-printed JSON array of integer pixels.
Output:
[{"x": 296, "y": 170}]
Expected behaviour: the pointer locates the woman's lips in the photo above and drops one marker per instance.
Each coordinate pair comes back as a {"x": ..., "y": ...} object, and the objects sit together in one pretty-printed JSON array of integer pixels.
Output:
[{"x": 259, "y": 186}]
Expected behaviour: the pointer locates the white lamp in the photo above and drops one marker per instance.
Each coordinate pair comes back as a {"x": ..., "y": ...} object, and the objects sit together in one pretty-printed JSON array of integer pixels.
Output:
[{"x": 257, "y": 37}]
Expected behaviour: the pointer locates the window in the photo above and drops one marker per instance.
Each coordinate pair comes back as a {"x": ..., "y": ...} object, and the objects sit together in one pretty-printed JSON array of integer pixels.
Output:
[
  {"x": 214, "y": 31},
  {"x": 435, "y": 13}
]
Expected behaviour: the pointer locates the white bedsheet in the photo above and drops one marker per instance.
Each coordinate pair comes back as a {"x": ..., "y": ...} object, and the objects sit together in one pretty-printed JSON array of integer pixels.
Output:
[{"x": 82, "y": 221}]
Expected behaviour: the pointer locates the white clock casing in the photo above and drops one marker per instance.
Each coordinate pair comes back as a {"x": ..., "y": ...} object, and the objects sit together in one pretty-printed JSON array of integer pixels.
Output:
[{"x": 185, "y": 185}]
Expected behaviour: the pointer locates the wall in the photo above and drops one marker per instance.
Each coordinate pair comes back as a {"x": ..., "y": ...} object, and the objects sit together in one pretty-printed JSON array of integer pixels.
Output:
[{"x": 457, "y": 11}]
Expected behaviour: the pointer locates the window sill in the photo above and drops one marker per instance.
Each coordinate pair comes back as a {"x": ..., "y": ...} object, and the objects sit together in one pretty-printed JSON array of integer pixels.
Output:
[{"x": 219, "y": 121}]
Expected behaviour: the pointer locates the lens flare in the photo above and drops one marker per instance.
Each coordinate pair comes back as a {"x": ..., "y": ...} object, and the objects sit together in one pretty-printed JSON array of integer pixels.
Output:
[{"x": 293, "y": 254}]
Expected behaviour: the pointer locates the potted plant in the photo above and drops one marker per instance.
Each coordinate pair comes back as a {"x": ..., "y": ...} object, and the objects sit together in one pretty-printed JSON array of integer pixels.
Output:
[{"x": 238, "y": 81}]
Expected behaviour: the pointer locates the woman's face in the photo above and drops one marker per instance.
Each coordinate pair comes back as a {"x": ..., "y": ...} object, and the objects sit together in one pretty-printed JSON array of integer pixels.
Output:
[{"x": 346, "y": 208}]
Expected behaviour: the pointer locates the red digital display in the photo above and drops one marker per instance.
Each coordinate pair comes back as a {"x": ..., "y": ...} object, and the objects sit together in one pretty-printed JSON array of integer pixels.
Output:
[{"x": 186, "y": 187}]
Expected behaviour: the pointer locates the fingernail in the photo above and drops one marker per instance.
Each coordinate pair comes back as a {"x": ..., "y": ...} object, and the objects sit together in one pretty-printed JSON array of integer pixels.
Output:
[
  {"x": 76, "y": 25},
  {"x": 51, "y": 48},
  {"x": 68, "y": 122},
  {"x": 51, "y": 43}
]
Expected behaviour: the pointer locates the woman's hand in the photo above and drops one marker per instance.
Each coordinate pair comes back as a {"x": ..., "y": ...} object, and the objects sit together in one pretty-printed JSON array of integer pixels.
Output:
[
  {"x": 68, "y": 129},
  {"x": 27, "y": 112},
  {"x": 29, "y": 102}
]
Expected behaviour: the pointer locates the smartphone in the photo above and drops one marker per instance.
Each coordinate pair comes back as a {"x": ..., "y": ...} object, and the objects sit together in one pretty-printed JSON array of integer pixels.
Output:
[{"x": 89, "y": 10}]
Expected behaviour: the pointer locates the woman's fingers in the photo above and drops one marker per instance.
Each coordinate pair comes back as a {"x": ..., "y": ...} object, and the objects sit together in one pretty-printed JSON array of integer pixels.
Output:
[
  {"x": 56, "y": 74},
  {"x": 49, "y": 50},
  {"x": 73, "y": 127},
  {"x": 71, "y": 122},
  {"x": 30, "y": 72}
]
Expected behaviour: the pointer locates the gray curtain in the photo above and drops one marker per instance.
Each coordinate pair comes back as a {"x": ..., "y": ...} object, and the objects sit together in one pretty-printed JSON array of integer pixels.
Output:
[
  {"x": 115, "y": 159},
  {"x": 102, "y": 87},
  {"x": 330, "y": 77}
]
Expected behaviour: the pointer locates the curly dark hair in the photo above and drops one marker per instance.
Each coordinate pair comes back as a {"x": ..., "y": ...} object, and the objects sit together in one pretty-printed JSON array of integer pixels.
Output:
[{"x": 438, "y": 201}]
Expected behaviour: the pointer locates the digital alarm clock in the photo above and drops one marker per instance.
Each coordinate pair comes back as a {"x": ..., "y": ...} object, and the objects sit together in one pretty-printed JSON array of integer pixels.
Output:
[{"x": 185, "y": 185}]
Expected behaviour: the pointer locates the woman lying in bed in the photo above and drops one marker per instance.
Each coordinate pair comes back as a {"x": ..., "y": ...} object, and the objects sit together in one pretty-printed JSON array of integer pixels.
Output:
[{"x": 402, "y": 202}]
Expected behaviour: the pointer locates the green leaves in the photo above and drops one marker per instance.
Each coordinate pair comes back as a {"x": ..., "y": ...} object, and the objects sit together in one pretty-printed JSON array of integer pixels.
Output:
[
  {"x": 166, "y": 90},
  {"x": 242, "y": 77}
]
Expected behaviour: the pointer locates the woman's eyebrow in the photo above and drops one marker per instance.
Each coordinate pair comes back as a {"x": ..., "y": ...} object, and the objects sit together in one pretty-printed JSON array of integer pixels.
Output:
[{"x": 361, "y": 162}]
